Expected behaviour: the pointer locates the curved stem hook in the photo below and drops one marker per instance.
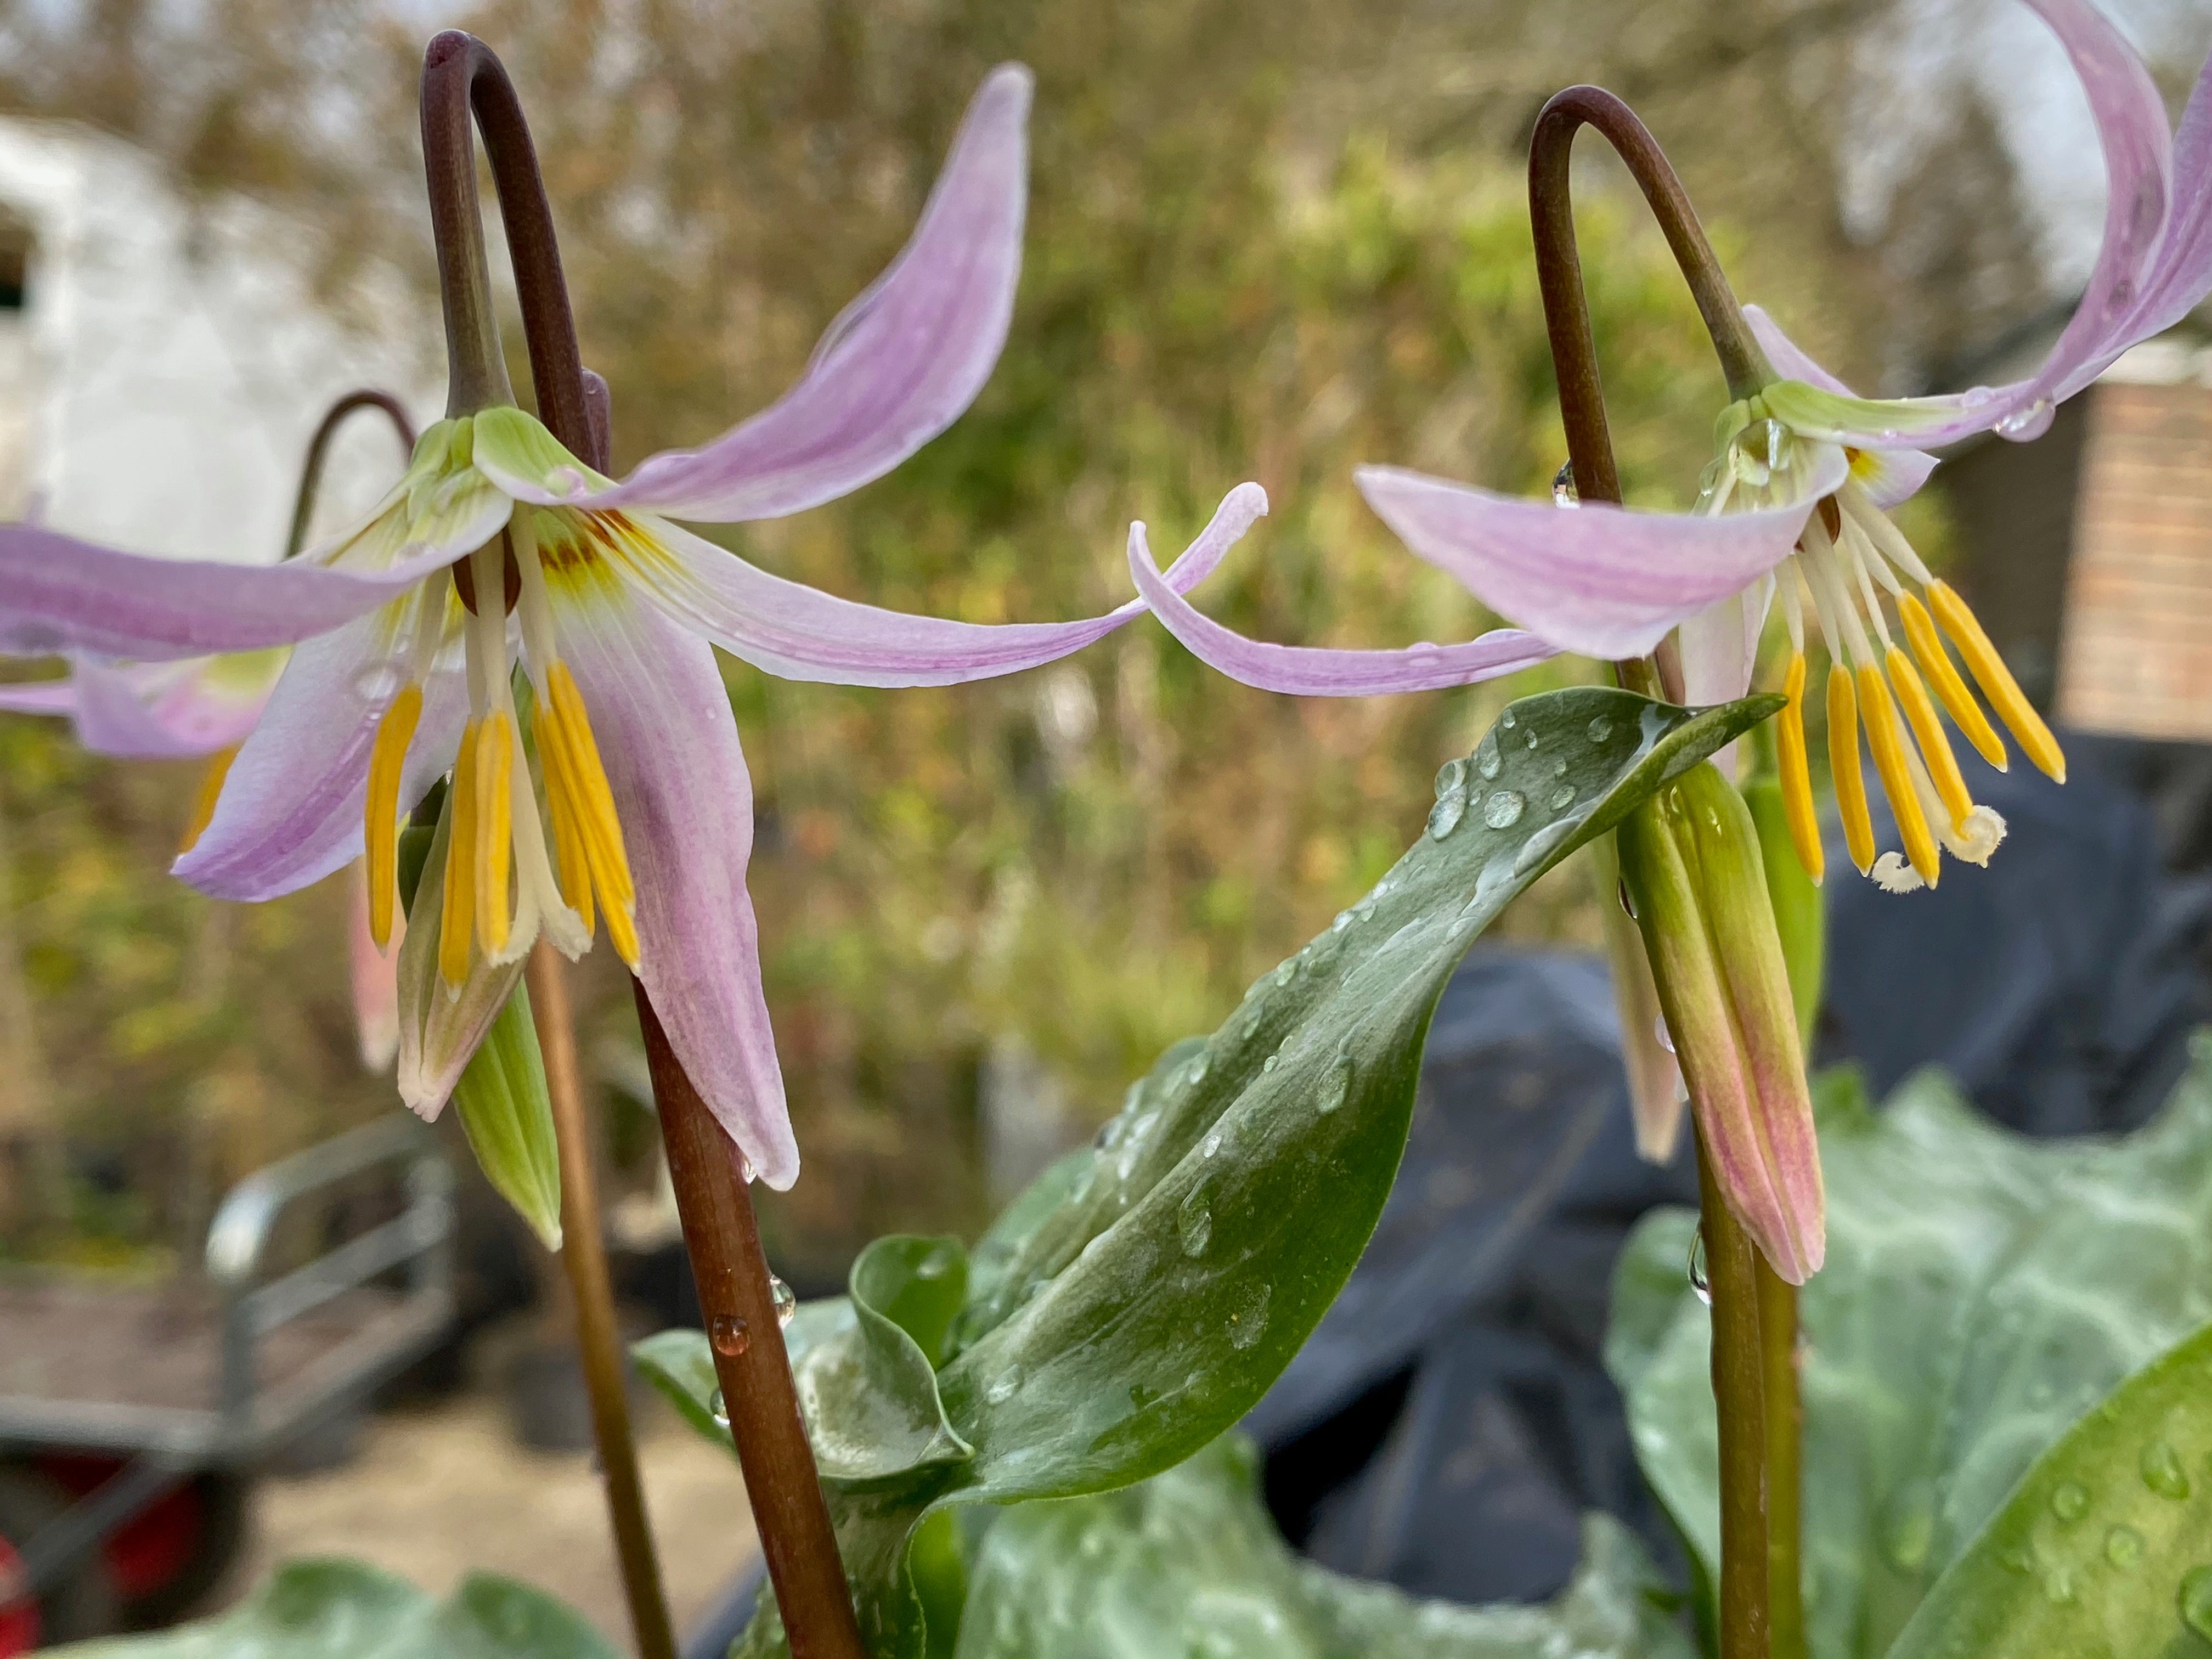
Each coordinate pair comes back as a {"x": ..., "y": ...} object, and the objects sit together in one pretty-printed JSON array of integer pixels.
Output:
[{"x": 319, "y": 453}]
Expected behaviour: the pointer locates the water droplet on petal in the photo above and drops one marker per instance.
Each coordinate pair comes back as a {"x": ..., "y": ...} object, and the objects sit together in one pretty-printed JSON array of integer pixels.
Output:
[
  {"x": 2068, "y": 1501},
  {"x": 1444, "y": 816},
  {"x": 719, "y": 1409},
  {"x": 2163, "y": 1472},
  {"x": 1194, "y": 1223},
  {"x": 1503, "y": 809},
  {"x": 2024, "y": 424},
  {"x": 730, "y": 1336},
  {"x": 785, "y": 1299},
  {"x": 2124, "y": 1546},
  {"x": 2194, "y": 1601}
]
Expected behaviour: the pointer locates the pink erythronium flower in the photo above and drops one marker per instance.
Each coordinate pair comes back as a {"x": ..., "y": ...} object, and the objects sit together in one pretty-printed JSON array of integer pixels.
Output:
[
  {"x": 611, "y": 614},
  {"x": 1796, "y": 502}
]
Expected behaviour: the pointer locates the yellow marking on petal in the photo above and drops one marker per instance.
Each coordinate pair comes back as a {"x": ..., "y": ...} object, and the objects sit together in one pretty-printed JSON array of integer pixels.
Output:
[
  {"x": 1997, "y": 681},
  {"x": 1796, "y": 775},
  {"x": 494, "y": 828},
  {"x": 1958, "y": 702},
  {"x": 1935, "y": 747},
  {"x": 1843, "y": 767},
  {"x": 388, "y": 764},
  {"x": 458, "y": 914},
  {"x": 211, "y": 791},
  {"x": 1887, "y": 743}
]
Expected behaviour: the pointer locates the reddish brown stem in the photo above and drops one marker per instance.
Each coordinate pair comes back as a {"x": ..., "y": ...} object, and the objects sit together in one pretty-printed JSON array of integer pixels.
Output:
[
  {"x": 319, "y": 450},
  {"x": 737, "y": 1299}
]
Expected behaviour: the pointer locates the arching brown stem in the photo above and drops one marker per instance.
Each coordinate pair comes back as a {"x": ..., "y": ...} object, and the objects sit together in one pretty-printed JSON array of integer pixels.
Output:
[{"x": 318, "y": 451}]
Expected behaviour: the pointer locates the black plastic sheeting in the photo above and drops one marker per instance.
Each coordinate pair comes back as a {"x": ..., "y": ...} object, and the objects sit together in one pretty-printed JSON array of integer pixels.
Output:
[{"x": 1451, "y": 1417}]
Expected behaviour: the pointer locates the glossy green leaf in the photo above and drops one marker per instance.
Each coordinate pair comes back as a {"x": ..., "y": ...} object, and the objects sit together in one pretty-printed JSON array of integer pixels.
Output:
[
  {"x": 681, "y": 1365},
  {"x": 342, "y": 1609},
  {"x": 1194, "y": 1552},
  {"x": 2107, "y": 1546},
  {"x": 508, "y": 1117},
  {"x": 1983, "y": 1292},
  {"x": 1228, "y": 1203}
]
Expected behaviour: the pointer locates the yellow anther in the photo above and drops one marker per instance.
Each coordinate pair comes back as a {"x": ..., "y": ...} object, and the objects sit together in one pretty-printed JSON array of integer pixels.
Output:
[
  {"x": 495, "y": 827},
  {"x": 211, "y": 791},
  {"x": 1843, "y": 767},
  {"x": 568, "y": 846},
  {"x": 1958, "y": 702},
  {"x": 1935, "y": 747},
  {"x": 388, "y": 764},
  {"x": 1997, "y": 681},
  {"x": 1796, "y": 776},
  {"x": 1887, "y": 743},
  {"x": 457, "y": 914},
  {"x": 584, "y": 814}
]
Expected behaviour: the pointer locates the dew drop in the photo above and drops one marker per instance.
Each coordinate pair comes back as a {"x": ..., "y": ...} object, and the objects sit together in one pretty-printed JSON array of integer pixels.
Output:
[
  {"x": 1002, "y": 1386},
  {"x": 1532, "y": 739},
  {"x": 2124, "y": 1546},
  {"x": 719, "y": 1409},
  {"x": 1627, "y": 900},
  {"x": 1194, "y": 1223},
  {"x": 1560, "y": 768},
  {"x": 785, "y": 1299},
  {"x": 1601, "y": 729},
  {"x": 1249, "y": 1323},
  {"x": 1563, "y": 493},
  {"x": 730, "y": 1336},
  {"x": 1336, "y": 1087},
  {"x": 1198, "y": 1068},
  {"x": 1563, "y": 798},
  {"x": 1488, "y": 760},
  {"x": 2163, "y": 1472},
  {"x": 2032, "y": 422},
  {"x": 379, "y": 682},
  {"x": 1659, "y": 1030},
  {"x": 1912, "y": 1529},
  {"x": 1509, "y": 720},
  {"x": 1271, "y": 1062},
  {"x": 1451, "y": 778},
  {"x": 1699, "y": 1285},
  {"x": 2059, "y": 1587},
  {"x": 2068, "y": 1501},
  {"x": 1211, "y": 1144},
  {"x": 1503, "y": 809},
  {"x": 1444, "y": 816},
  {"x": 2194, "y": 1601}
]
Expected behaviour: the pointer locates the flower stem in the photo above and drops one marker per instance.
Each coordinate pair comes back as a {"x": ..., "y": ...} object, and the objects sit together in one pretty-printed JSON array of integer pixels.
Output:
[
  {"x": 736, "y": 1296},
  {"x": 1739, "y": 1394},
  {"x": 1784, "y": 1408},
  {"x": 319, "y": 450},
  {"x": 1558, "y": 266},
  {"x": 598, "y": 1340}
]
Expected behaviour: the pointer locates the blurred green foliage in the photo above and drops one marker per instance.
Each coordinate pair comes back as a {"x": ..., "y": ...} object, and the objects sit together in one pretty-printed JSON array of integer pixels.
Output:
[{"x": 1266, "y": 242}]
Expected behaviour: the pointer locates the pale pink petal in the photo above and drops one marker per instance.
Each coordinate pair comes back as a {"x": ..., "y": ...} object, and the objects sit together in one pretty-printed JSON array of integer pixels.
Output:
[
  {"x": 1717, "y": 657},
  {"x": 1889, "y": 475},
  {"x": 670, "y": 744},
  {"x": 59, "y": 595},
  {"x": 290, "y": 811},
  {"x": 801, "y": 633},
  {"x": 896, "y": 368},
  {"x": 1306, "y": 671},
  {"x": 375, "y": 975},
  {"x": 2182, "y": 272},
  {"x": 39, "y": 697},
  {"x": 1601, "y": 581},
  {"x": 148, "y": 711}
]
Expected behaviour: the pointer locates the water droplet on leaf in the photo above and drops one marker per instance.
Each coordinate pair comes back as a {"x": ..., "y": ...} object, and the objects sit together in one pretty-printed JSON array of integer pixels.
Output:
[
  {"x": 1194, "y": 1223},
  {"x": 1002, "y": 1386},
  {"x": 1503, "y": 809},
  {"x": 2124, "y": 1546},
  {"x": 2163, "y": 1472},
  {"x": 2194, "y": 1601},
  {"x": 2068, "y": 1501},
  {"x": 729, "y": 1335},
  {"x": 1487, "y": 761},
  {"x": 719, "y": 1409},
  {"x": 1563, "y": 798},
  {"x": 1336, "y": 1087},
  {"x": 1600, "y": 729},
  {"x": 1451, "y": 778},
  {"x": 1509, "y": 720},
  {"x": 1444, "y": 816},
  {"x": 1249, "y": 1323}
]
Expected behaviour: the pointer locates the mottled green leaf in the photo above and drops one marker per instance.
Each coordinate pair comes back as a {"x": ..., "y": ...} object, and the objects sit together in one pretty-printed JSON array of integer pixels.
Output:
[
  {"x": 1983, "y": 1292},
  {"x": 329, "y": 1608},
  {"x": 1194, "y": 1552}
]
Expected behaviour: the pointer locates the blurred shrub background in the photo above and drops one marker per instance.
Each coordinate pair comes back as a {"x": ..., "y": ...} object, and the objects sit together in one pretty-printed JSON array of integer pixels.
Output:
[{"x": 1267, "y": 241}]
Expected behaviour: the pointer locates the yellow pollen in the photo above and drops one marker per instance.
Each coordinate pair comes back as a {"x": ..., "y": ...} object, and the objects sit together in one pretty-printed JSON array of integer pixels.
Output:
[
  {"x": 211, "y": 791},
  {"x": 458, "y": 914},
  {"x": 387, "y": 762},
  {"x": 1844, "y": 765},
  {"x": 585, "y": 802},
  {"x": 494, "y": 828},
  {"x": 1889, "y": 745},
  {"x": 568, "y": 844},
  {"x": 1997, "y": 681},
  {"x": 1935, "y": 747},
  {"x": 1958, "y": 702},
  {"x": 1796, "y": 776}
]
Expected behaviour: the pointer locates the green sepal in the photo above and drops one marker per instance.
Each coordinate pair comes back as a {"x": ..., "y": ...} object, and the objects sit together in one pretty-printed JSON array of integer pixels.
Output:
[{"x": 508, "y": 1116}]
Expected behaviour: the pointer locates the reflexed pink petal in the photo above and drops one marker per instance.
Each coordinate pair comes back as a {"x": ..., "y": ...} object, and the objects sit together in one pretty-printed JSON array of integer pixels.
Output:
[
  {"x": 1890, "y": 475},
  {"x": 801, "y": 633},
  {"x": 39, "y": 697},
  {"x": 1791, "y": 361},
  {"x": 1305, "y": 669},
  {"x": 897, "y": 367},
  {"x": 150, "y": 711},
  {"x": 114, "y": 718},
  {"x": 670, "y": 744},
  {"x": 2182, "y": 272},
  {"x": 290, "y": 811},
  {"x": 375, "y": 975},
  {"x": 1601, "y": 581},
  {"x": 59, "y": 595}
]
